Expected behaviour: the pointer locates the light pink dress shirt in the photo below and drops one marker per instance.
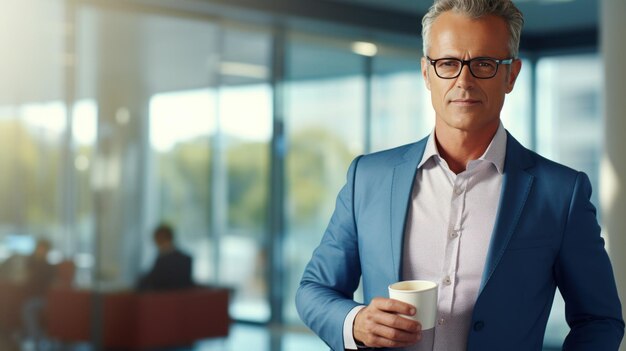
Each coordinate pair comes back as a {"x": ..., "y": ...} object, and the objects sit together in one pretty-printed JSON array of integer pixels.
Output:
[{"x": 447, "y": 235}]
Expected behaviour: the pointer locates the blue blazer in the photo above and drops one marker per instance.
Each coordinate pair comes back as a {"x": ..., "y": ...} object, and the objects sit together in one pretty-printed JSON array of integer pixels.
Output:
[{"x": 546, "y": 236}]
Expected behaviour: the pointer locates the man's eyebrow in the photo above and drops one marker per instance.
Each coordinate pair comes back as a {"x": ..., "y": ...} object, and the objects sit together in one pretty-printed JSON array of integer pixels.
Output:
[{"x": 445, "y": 57}]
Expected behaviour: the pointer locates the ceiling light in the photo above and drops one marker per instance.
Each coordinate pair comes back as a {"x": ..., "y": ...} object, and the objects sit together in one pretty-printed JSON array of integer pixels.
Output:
[
  {"x": 364, "y": 48},
  {"x": 246, "y": 70}
]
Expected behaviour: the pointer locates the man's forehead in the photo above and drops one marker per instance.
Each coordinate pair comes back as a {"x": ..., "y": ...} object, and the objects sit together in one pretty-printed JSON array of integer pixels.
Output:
[{"x": 455, "y": 34}]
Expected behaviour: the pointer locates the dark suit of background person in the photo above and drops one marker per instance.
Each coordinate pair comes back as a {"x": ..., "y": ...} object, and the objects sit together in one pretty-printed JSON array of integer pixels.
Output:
[
  {"x": 35, "y": 275},
  {"x": 172, "y": 268},
  {"x": 545, "y": 234}
]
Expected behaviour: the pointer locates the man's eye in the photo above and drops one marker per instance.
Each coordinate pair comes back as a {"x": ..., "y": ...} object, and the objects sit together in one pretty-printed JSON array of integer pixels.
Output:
[
  {"x": 448, "y": 63},
  {"x": 486, "y": 64}
]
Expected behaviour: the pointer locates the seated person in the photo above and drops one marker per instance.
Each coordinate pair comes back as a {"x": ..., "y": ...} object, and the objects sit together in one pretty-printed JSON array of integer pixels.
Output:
[
  {"x": 32, "y": 271},
  {"x": 35, "y": 275},
  {"x": 172, "y": 268}
]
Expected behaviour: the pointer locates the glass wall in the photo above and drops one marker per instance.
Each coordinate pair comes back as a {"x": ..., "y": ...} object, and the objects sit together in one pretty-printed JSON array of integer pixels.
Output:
[
  {"x": 32, "y": 127},
  {"x": 570, "y": 131},
  {"x": 246, "y": 114},
  {"x": 516, "y": 112},
  {"x": 81, "y": 241},
  {"x": 325, "y": 130},
  {"x": 245, "y": 130},
  {"x": 401, "y": 109},
  {"x": 569, "y": 115},
  {"x": 173, "y": 124},
  {"x": 181, "y": 126},
  {"x": 210, "y": 156}
]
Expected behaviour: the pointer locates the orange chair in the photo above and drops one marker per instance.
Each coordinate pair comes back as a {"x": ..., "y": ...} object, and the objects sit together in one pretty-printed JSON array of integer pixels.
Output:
[
  {"x": 12, "y": 296},
  {"x": 136, "y": 321},
  {"x": 68, "y": 314},
  {"x": 180, "y": 318}
]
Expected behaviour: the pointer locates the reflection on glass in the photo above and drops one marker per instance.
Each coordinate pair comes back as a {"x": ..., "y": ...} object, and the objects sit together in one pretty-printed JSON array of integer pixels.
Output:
[
  {"x": 84, "y": 132},
  {"x": 240, "y": 170},
  {"x": 245, "y": 127},
  {"x": 325, "y": 100}
]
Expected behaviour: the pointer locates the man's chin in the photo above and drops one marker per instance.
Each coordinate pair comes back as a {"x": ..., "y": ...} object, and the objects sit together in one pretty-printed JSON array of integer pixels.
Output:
[{"x": 468, "y": 123}]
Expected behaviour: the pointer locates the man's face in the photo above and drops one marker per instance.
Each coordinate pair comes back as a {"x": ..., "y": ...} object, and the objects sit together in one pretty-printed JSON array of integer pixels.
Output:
[
  {"x": 41, "y": 250},
  {"x": 466, "y": 103}
]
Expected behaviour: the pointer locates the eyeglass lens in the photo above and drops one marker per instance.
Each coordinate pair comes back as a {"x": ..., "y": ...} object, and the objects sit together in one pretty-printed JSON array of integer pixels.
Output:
[{"x": 480, "y": 68}]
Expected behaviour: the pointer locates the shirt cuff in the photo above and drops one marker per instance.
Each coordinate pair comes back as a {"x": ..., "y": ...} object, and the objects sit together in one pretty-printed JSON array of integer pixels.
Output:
[{"x": 348, "y": 337}]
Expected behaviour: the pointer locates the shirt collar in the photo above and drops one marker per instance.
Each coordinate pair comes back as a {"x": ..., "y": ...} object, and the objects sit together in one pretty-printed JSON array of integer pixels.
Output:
[{"x": 494, "y": 154}]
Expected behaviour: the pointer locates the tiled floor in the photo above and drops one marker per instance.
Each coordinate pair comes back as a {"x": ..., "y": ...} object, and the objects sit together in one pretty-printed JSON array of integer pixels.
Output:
[
  {"x": 245, "y": 337},
  {"x": 257, "y": 338},
  {"x": 250, "y": 337}
]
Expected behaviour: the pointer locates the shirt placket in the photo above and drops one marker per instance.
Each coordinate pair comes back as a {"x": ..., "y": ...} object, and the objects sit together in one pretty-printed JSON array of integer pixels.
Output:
[{"x": 450, "y": 265}]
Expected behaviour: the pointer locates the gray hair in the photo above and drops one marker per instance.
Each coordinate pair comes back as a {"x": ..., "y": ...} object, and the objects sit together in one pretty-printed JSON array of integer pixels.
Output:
[{"x": 476, "y": 9}]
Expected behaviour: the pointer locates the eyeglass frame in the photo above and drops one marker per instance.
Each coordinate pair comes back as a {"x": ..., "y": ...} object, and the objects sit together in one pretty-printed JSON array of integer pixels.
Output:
[{"x": 467, "y": 63}]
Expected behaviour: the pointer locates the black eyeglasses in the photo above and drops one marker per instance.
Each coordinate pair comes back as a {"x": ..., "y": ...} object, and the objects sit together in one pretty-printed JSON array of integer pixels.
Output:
[{"x": 480, "y": 67}]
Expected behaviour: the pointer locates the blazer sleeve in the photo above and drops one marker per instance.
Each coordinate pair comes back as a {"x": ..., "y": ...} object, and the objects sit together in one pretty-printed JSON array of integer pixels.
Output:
[
  {"x": 325, "y": 294},
  {"x": 585, "y": 278}
]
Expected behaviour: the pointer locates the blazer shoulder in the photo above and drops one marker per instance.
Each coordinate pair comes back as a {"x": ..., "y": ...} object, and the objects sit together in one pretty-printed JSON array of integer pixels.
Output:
[
  {"x": 556, "y": 179},
  {"x": 391, "y": 157},
  {"x": 544, "y": 167},
  {"x": 518, "y": 157}
]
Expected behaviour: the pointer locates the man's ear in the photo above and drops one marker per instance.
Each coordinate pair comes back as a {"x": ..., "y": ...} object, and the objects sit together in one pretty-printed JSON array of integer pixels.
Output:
[
  {"x": 516, "y": 67},
  {"x": 425, "y": 73}
]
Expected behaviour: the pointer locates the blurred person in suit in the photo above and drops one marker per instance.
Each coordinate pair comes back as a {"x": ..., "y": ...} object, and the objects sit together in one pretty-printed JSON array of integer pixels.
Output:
[
  {"x": 171, "y": 269},
  {"x": 33, "y": 275}
]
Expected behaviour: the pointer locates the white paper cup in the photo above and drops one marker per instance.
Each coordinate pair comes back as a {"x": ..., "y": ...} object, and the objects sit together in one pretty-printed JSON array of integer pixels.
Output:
[{"x": 420, "y": 293}]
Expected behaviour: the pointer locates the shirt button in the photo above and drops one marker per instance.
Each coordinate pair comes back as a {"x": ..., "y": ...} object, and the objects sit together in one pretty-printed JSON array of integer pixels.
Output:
[
  {"x": 458, "y": 190},
  {"x": 478, "y": 326},
  {"x": 447, "y": 280},
  {"x": 454, "y": 234},
  {"x": 441, "y": 321}
]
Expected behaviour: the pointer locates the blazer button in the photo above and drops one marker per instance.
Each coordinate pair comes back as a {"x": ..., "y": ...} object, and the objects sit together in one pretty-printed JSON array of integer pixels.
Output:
[{"x": 478, "y": 326}]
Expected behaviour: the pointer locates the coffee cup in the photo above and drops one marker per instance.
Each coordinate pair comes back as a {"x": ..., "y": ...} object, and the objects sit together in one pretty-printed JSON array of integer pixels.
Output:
[{"x": 422, "y": 294}]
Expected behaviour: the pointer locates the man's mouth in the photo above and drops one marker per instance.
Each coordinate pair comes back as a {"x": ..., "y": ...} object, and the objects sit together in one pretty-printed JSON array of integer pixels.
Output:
[{"x": 465, "y": 102}]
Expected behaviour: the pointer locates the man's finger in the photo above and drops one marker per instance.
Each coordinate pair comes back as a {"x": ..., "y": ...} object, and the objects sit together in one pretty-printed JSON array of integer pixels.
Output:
[
  {"x": 397, "y": 335},
  {"x": 395, "y": 306},
  {"x": 397, "y": 322}
]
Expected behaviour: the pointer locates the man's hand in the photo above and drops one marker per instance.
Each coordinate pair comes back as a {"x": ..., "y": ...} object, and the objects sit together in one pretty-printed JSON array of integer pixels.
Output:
[{"x": 380, "y": 325}]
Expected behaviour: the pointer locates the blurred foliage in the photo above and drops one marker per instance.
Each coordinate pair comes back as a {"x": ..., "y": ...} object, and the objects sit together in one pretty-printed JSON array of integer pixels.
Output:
[
  {"x": 248, "y": 183},
  {"x": 314, "y": 160},
  {"x": 31, "y": 177},
  {"x": 184, "y": 180}
]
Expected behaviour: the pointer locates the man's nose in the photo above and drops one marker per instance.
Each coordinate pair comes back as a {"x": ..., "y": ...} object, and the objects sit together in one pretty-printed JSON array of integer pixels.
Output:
[{"x": 465, "y": 79}]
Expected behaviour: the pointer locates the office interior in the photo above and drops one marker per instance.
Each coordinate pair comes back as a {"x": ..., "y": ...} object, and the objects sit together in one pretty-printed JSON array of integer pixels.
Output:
[{"x": 235, "y": 122}]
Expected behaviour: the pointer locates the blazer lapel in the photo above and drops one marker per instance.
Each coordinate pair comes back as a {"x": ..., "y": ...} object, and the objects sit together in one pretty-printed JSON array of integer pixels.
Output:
[
  {"x": 515, "y": 189},
  {"x": 401, "y": 189}
]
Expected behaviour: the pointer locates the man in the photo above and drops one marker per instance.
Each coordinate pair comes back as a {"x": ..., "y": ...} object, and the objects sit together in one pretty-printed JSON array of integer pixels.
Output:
[
  {"x": 34, "y": 275},
  {"x": 172, "y": 268},
  {"x": 497, "y": 226}
]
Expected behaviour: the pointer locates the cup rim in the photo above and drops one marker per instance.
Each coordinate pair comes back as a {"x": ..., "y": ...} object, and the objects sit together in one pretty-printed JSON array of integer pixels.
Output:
[{"x": 430, "y": 282}]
